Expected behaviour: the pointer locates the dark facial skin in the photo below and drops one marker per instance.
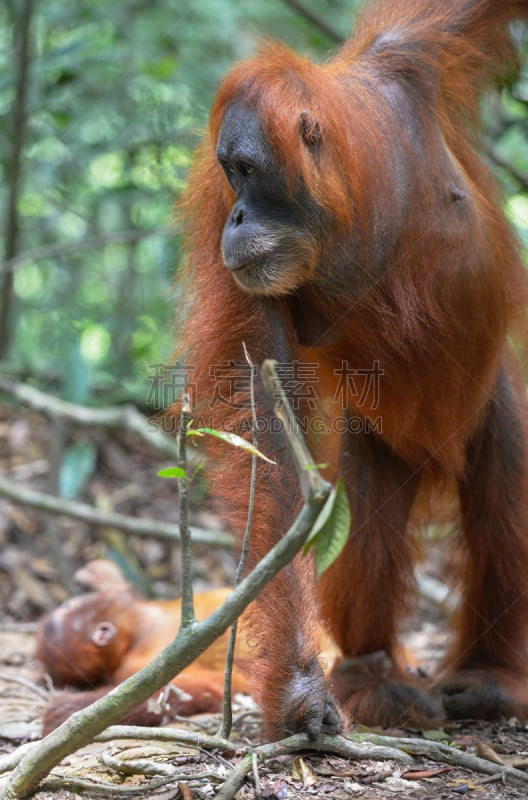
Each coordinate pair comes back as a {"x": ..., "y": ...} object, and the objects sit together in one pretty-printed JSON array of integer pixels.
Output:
[{"x": 268, "y": 239}]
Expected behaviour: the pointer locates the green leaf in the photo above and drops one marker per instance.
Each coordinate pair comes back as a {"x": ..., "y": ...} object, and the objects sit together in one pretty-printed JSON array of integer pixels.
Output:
[
  {"x": 331, "y": 529},
  {"x": 230, "y": 438},
  {"x": 172, "y": 472},
  {"x": 76, "y": 469},
  {"x": 76, "y": 374},
  {"x": 322, "y": 519}
]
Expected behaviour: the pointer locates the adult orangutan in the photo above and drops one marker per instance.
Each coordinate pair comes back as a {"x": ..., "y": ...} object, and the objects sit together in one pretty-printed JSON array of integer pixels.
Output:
[{"x": 342, "y": 207}]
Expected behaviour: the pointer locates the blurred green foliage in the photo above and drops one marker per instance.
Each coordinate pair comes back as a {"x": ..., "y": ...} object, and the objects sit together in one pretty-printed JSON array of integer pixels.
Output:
[{"x": 118, "y": 94}]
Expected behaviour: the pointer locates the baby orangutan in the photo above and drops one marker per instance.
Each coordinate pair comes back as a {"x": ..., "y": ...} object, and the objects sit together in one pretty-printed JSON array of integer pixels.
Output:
[{"x": 98, "y": 639}]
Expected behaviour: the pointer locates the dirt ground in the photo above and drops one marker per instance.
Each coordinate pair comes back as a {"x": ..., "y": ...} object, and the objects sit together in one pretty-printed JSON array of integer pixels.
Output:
[
  {"x": 23, "y": 694},
  {"x": 124, "y": 479}
]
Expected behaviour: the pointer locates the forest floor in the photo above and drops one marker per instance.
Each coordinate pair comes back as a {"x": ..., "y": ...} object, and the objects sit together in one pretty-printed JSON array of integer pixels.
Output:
[{"x": 124, "y": 478}]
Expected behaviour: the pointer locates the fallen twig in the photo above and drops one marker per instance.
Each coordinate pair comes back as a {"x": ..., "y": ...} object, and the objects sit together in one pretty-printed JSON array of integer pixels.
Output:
[
  {"x": 126, "y": 416},
  {"x": 438, "y": 751},
  {"x": 93, "y": 516}
]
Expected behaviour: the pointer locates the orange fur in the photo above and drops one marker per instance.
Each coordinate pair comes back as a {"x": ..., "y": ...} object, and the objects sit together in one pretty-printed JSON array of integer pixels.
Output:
[
  {"x": 134, "y": 631},
  {"x": 432, "y": 288},
  {"x": 98, "y": 639}
]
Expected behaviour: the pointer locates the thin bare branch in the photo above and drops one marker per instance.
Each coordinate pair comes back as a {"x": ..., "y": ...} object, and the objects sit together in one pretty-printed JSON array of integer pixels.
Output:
[
  {"x": 138, "y": 527},
  {"x": 22, "y": 56},
  {"x": 126, "y": 417},
  {"x": 10, "y": 265},
  {"x": 188, "y": 617},
  {"x": 227, "y": 715},
  {"x": 315, "y": 19}
]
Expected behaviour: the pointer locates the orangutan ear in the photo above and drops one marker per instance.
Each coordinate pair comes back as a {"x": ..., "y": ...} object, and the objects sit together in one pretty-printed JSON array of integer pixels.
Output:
[{"x": 104, "y": 634}]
